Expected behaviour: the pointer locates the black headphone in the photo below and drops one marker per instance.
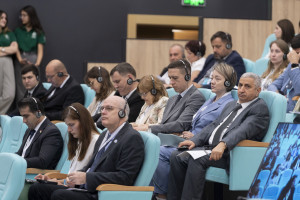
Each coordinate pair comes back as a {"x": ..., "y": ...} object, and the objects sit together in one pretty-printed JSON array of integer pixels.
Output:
[
  {"x": 187, "y": 76},
  {"x": 228, "y": 44},
  {"x": 73, "y": 108},
  {"x": 99, "y": 78},
  {"x": 227, "y": 83},
  {"x": 37, "y": 77},
  {"x": 199, "y": 54},
  {"x": 284, "y": 57},
  {"x": 60, "y": 74},
  {"x": 130, "y": 81},
  {"x": 153, "y": 91},
  {"x": 38, "y": 113},
  {"x": 122, "y": 112}
]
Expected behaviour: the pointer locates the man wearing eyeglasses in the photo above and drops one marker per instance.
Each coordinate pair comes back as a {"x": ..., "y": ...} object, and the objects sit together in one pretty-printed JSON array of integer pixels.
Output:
[{"x": 64, "y": 90}]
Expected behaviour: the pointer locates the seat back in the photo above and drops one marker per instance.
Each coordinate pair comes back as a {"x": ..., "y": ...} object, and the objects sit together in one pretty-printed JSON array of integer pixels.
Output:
[
  {"x": 264, "y": 177},
  {"x": 271, "y": 192},
  {"x": 4, "y": 123},
  {"x": 152, "y": 144},
  {"x": 249, "y": 64},
  {"x": 207, "y": 93},
  {"x": 171, "y": 92},
  {"x": 13, "y": 131},
  {"x": 297, "y": 192},
  {"x": 46, "y": 85},
  {"x": 12, "y": 175},
  {"x": 285, "y": 177},
  {"x": 268, "y": 41},
  {"x": 260, "y": 66},
  {"x": 89, "y": 95},
  {"x": 64, "y": 156}
]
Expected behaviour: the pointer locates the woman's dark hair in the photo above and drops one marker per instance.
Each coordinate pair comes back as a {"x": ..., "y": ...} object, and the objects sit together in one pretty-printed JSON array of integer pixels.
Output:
[
  {"x": 196, "y": 47},
  {"x": 5, "y": 29},
  {"x": 287, "y": 29},
  {"x": 33, "y": 19},
  {"x": 106, "y": 87},
  {"x": 86, "y": 126}
]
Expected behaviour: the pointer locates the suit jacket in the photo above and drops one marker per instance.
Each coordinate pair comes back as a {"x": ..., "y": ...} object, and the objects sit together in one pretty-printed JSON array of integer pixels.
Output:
[
  {"x": 210, "y": 113},
  {"x": 179, "y": 118},
  {"x": 251, "y": 124},
  {"x": 234, "y": 59},
  {"x": 46, "y": 147},
  {"x": 70, "y": 93},
  {"x": 120, "y": 163},
  {"x": 289, "y": 79},
  {"x": 153, "y": 116},
  {"x": 38, "y": 92},
  {"x": 135, "y": 103}
]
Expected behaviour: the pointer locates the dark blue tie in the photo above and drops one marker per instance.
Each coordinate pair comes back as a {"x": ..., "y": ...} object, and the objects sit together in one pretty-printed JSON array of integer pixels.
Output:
[{"x": 31, "y": 133}]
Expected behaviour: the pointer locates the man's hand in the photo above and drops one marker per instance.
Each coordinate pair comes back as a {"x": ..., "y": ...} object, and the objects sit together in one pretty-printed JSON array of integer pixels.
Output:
[
  {"x": 293, "y": 57},
  {"x": 217, "y": 152},
  {"x": 77, "y": 178},
  {"x": 187, "y": 135},
  {"x": 42, "y": 177},
  {"x": 188, "y": 143},
  {"x": 140, "y": 127}
]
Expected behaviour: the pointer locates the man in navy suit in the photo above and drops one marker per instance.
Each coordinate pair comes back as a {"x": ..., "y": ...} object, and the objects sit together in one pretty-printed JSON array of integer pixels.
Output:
[
  {"x": 117, "y": 159},
  {"x": 245, "y": 119},
  {"x": 42, "y": 143},
  {"x": 64, "y": 90},
  {"x": 221, "y": 43}
]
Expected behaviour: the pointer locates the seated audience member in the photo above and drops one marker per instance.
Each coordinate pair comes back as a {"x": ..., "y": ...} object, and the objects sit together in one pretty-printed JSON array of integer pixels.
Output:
[
  {"x": 222, "y": 82},
  {"x": 245, "y": 119},
  {"x": 82, "y": 138},
  {"x": 277, "y": 63},
  {"x": 176, "y": 52},
  {"x": 288, "y": 83},
  {"x": 221, "y": 43},
  {"x": 30, "y": 80},
  {"x": 284, "y": 30},
  {"x": 98, "y": 79},
  {"x": 124, "y": 80},
  {"x": 195, "y": 51},
  {"x": 180, "y": 108},
  {"x": 42, "y": 143},
  {"x": 63, "y": 92},
  {"x": 155, "y": 96},
  {"x": 117, "y": 158}
]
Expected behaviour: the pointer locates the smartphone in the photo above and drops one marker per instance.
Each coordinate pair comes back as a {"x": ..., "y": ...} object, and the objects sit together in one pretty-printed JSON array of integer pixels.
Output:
[
  {"x": 46, "y": 182},
  {"x": 183, "y": 148}
]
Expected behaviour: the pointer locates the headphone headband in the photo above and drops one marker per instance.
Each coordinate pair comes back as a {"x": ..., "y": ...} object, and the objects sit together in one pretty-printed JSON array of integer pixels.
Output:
[
  {"x": 187, "y": 76},
  {"x": 99, "y": 78},
  {"x": 74, "y": 109},
  {"x": 153, "y": 90},
  {"x": 38, "y": 113}
]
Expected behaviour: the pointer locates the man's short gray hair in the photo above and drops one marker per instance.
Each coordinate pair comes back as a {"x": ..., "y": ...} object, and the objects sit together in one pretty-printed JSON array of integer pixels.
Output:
[{"x": 255, "y": 77}]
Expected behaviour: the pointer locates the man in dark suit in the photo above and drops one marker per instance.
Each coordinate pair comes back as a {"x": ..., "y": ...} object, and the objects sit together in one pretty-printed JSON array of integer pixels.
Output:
[
  {"x": 63, "y": 92},
  {"x": 221, "y": 43},
  {"x": 42, "y": 143},
  {"x": 180, "y": 108},
  {"x": 117, "y": 159},
  {"x": 246, "y": 119},
  {"x": 30, "y": 80}
]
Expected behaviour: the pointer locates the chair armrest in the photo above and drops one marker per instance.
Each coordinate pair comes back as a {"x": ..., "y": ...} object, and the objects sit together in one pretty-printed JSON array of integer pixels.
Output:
[
  {"x": 251, "y": 143},
  {"x": 115, "y": 187},
  {"x": 56, "y": 175},
  {"x": 39, "y": 171}
]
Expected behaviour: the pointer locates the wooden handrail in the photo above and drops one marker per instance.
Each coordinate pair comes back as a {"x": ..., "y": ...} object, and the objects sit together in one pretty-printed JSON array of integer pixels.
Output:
[{"x": 115, "y": 187}]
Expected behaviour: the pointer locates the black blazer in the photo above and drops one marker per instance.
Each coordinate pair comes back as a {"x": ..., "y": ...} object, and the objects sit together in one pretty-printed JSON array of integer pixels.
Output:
[
  {"x": 38, "y": 92},
  {"x": 46, "y": 147},
  {"x": 120, "y": 163},
  {"x": 70, "y": 93}
]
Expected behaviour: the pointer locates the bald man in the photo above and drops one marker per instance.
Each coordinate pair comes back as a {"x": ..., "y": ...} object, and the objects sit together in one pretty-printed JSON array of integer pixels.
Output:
[{"x": 64, "y": 90}]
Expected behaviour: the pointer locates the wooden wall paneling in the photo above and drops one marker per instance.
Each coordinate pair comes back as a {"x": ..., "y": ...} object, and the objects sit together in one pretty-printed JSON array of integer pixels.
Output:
[{"x": 107, "y": 66}]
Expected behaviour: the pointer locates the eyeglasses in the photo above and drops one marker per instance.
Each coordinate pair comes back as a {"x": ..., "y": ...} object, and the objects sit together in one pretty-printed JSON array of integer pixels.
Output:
[
  {"x": 143, "y": 94},
  {"x": 108, "y": 108},
  {"x": 91, "y": 83}
]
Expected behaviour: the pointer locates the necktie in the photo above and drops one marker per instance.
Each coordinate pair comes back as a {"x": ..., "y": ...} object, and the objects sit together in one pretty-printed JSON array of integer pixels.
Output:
[
  {"x": 176, "y": 102},
  {"x": 29, "y": 94},
  {"x": 218, "y": 133},
  {"x": 31, "y": 133}
]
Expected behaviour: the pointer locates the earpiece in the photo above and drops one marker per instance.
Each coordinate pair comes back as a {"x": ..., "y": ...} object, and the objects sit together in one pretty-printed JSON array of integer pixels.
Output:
[
  {"x": 37, "y": 78},
  {"x": 99, "y": 78},
  {"x": 187, "y": 76},
  {"x": 130, "y": 81},
  {"x": 228, "y": 44},
  {"x": 122, "y": 112},
  {"x": 153, "y": 91},
  {"x": 284, "y": 57},
  {"x": 38, "y": 113},
  {"x": 227, "y": 83},
  {"x": 60, "y": 74}
]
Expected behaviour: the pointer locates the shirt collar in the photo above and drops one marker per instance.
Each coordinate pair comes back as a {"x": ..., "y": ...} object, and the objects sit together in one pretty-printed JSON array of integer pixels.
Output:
[{"x": 185, "y": 91}]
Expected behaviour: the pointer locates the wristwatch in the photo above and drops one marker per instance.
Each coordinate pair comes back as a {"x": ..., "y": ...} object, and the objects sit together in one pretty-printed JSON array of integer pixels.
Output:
[
  {"x": 3, "y": 49},
  {"x": 295, "y": 65}
]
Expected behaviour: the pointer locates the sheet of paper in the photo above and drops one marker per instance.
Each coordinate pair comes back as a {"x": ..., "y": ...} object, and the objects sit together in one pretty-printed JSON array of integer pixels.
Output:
[{"x": 199, "y": 153}]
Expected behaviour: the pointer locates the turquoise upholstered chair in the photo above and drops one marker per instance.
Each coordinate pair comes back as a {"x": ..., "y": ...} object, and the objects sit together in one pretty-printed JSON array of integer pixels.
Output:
[
  {"x": 140, "y": 190},
  {"x": 171, "y": 92},
  {"x": 260, "y": 66},
  {"x": 249, "y": 64},
  {"x": 246, "y": 157},
  {"x": 13, "y": 130},
  {"x": 207, "y": 93},
  {"x": 89, "y": 95},
  {"x": 268, "y": 41},
  {"x": 46, "y": 85},
  {"x": 12, "y": 175}
]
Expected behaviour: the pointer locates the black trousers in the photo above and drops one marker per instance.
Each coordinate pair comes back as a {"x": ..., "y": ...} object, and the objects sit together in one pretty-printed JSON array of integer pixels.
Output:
[
  {"x": 187, "y": 176},
  {"x": 40, "y": 191}
]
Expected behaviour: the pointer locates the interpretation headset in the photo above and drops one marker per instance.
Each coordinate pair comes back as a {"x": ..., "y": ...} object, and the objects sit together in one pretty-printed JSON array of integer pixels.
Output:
[
  {"x": 130, "y": 81},
  {"x": 153, "y": 91},
  {"x": 74, "y": 109},
  {"x": 199, "y": 54},
  {"x": 228, "y": 44},
  {"x": 122, "y": 112},
  {"x": 99, "y": 78},
  {"x": 38, "y": 113},
  {"x": 187, "y": 76},
  {"x": 227, "y": 83},
  {"x": 60, "y": 74}
]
